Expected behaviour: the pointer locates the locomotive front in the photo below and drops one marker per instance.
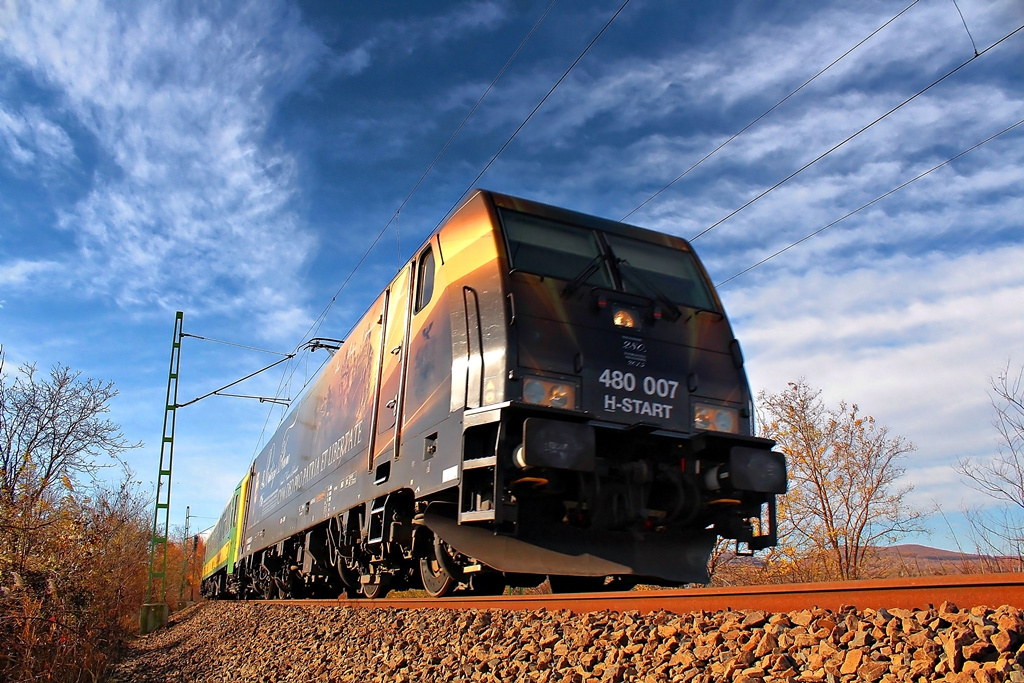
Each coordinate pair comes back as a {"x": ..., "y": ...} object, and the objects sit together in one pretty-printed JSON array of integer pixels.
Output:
[{"x": 626, "y": 444}]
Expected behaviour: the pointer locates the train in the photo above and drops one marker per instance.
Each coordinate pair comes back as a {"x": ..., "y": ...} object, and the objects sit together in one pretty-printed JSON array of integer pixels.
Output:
[{"x": 538, "y": 394}]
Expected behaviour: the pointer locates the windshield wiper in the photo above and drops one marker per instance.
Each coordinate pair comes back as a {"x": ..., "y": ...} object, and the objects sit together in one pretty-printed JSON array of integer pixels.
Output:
[
  {"x": 584, "y": 275},
  {"x": 671, "y": 309}
]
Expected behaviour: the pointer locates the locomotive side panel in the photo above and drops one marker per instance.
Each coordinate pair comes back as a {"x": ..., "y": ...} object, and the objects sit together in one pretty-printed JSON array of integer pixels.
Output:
[
  {"x": 429, "y": 432},
  {"x": 428, "y": 393},
  {"x": 394, "y": 362},
  {"x": 469, "y": 243},
  {"x": 449, "y": 369},
  {"x": 310, "y": 468}
]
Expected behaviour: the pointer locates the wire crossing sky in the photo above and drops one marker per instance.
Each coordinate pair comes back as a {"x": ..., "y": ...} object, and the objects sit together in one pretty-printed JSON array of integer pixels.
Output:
[{"x": 237, "y": 161}]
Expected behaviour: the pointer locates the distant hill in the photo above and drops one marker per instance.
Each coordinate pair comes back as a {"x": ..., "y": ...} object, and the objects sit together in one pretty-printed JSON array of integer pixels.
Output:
[
  {"x": 889, "y": 562},
  {"x": 919, "y": 559}
]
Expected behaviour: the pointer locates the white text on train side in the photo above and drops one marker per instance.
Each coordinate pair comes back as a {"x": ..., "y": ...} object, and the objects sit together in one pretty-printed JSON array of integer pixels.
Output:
[
  {"x": 627, "y": 381},
  {"x": 637, "y": 406}
]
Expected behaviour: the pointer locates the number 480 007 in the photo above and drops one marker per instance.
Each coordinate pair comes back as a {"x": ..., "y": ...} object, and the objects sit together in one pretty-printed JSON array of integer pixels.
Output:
[{"x": 626, "y": 381}]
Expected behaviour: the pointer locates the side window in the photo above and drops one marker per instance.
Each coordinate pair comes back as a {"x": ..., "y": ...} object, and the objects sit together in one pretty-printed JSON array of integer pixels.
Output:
[{"x": 425, "y": 279}]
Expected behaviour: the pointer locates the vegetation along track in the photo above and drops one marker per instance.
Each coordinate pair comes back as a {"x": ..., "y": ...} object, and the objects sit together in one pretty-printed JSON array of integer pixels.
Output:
[{"x": 908, "y": 593}]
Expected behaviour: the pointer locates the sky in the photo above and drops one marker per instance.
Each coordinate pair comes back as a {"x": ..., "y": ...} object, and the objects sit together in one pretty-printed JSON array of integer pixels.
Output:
[{"x": 265, "y": 167}]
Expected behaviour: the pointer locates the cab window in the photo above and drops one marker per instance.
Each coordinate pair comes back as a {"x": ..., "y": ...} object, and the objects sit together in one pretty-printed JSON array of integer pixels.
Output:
[
  {"x": 653, "y": 269},
  {"x": 425, "y": 279},
  {"x": 544, "y": 247}
]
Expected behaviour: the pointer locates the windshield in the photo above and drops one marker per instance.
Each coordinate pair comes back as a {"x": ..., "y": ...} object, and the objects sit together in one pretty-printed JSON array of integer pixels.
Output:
[
  {"x": 584, "y": 256},
  {"x": 540, "y": 246},
  {"x": 655, "y": 270}
]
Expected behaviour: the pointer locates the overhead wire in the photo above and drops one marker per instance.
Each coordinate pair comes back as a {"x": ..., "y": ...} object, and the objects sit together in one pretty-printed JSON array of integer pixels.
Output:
[
  {"x": 323, "y": 315},
  {"x": 319, "y": 320},
  {"x": 768, "y": 111},
  {"x": 227, "y": 343},
  {"x": 973, "y": 44},
  {"x": 870, "y": 203},
  {"x": 461, "y": 125},
  {"x": 316, "y": 324},
  {"x": 854, "y": 135},
  {"x": 539, "y": 105}
]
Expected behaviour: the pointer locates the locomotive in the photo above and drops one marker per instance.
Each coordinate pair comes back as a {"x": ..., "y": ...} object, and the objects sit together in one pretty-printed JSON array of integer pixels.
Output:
[{"x": 538, "y": 393}]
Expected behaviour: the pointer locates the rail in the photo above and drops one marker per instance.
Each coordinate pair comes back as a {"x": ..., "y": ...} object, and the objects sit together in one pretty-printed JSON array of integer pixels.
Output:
[{"x": 907, "y": 593}]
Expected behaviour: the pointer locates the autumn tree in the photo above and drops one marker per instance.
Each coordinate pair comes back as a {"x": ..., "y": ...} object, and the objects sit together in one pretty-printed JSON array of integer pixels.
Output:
[
  {"x": 73, "y": 534},
  {"x": 52, "y": 430},
  {"x": 845, "y": 494},
  {"x": 999, "y": 530}
]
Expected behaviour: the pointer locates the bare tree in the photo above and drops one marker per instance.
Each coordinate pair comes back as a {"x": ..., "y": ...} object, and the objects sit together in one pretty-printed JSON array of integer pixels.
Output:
[
  {"x": 1000, "y": 530},
  {"x": 52, "y": 430},
  {"x": 845, "y": 497}
]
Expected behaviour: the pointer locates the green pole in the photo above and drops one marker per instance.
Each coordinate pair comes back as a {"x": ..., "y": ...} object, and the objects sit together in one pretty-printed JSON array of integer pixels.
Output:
[
  {"x": 185, "y": 555},
  {"x": 154, "y": 611}
]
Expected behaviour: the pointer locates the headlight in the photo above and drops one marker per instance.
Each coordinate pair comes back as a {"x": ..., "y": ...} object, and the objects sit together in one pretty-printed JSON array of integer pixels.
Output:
[
  {"x": 716, "y": 418},
  {"x": 544, "y": 392},
  {"x": 623, "y": 317}
]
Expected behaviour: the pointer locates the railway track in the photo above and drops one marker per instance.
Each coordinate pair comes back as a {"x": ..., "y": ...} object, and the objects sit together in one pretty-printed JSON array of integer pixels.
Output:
[{"x": 911, "y": 593}]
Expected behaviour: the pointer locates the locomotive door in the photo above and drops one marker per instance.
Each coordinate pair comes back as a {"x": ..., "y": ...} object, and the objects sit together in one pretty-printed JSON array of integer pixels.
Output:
[{"x": 392, "y": 366}]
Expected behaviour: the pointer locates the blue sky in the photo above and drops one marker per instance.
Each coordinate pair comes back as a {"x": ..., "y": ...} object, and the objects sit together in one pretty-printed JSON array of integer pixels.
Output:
[{"x": 237, "y": 160}]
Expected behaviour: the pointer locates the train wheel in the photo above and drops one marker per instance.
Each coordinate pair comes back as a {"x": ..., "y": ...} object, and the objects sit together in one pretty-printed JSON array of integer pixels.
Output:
[
  {"x": 375, "y": 590},
  {"x": 436, "y": 580},
  {"x": 439, "y": 571}
]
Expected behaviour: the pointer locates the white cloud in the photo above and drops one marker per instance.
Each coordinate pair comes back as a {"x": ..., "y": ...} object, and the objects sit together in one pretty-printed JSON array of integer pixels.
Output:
[
  {"x": 181, "y": 101},
  {"x": 32, "y": 139},
  {"x": 353, "y": 61},
  {"x": 754, "y": 68},
  {"x": 20, "y": 272},
  {"x": 410, "y": 35},
  {"x": 913, "y": 341}
]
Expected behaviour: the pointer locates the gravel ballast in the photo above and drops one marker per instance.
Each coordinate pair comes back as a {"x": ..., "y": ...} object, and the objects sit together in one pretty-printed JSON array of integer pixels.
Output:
[{"x": 253, "y": 641}]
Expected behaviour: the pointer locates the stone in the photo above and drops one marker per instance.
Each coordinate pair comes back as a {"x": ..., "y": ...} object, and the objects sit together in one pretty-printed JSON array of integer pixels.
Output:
[
  {"x": 851, "y": 662},
  {"x": 872, "y": 671},
  {"x": 976, "y": 650},
  {"x": 766, "y": 645},
  {"x": 704, "y": 652},
  {"x": 920, "y": 667},
  {"x": 805, "y": 640},
  {"x": 1002, "y": 641},
  {"x": 984, "y": 676},
  {"x": 753, "y": 619},
  {"x": 952, "y": 646},
  {"x": 801, "y": 618},
  {"x": 923, "y": 639},
  {"x": 683, "y": 659},
  {"x": 1009, "y": 621},
  {"x": 861, "y": 639}
]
